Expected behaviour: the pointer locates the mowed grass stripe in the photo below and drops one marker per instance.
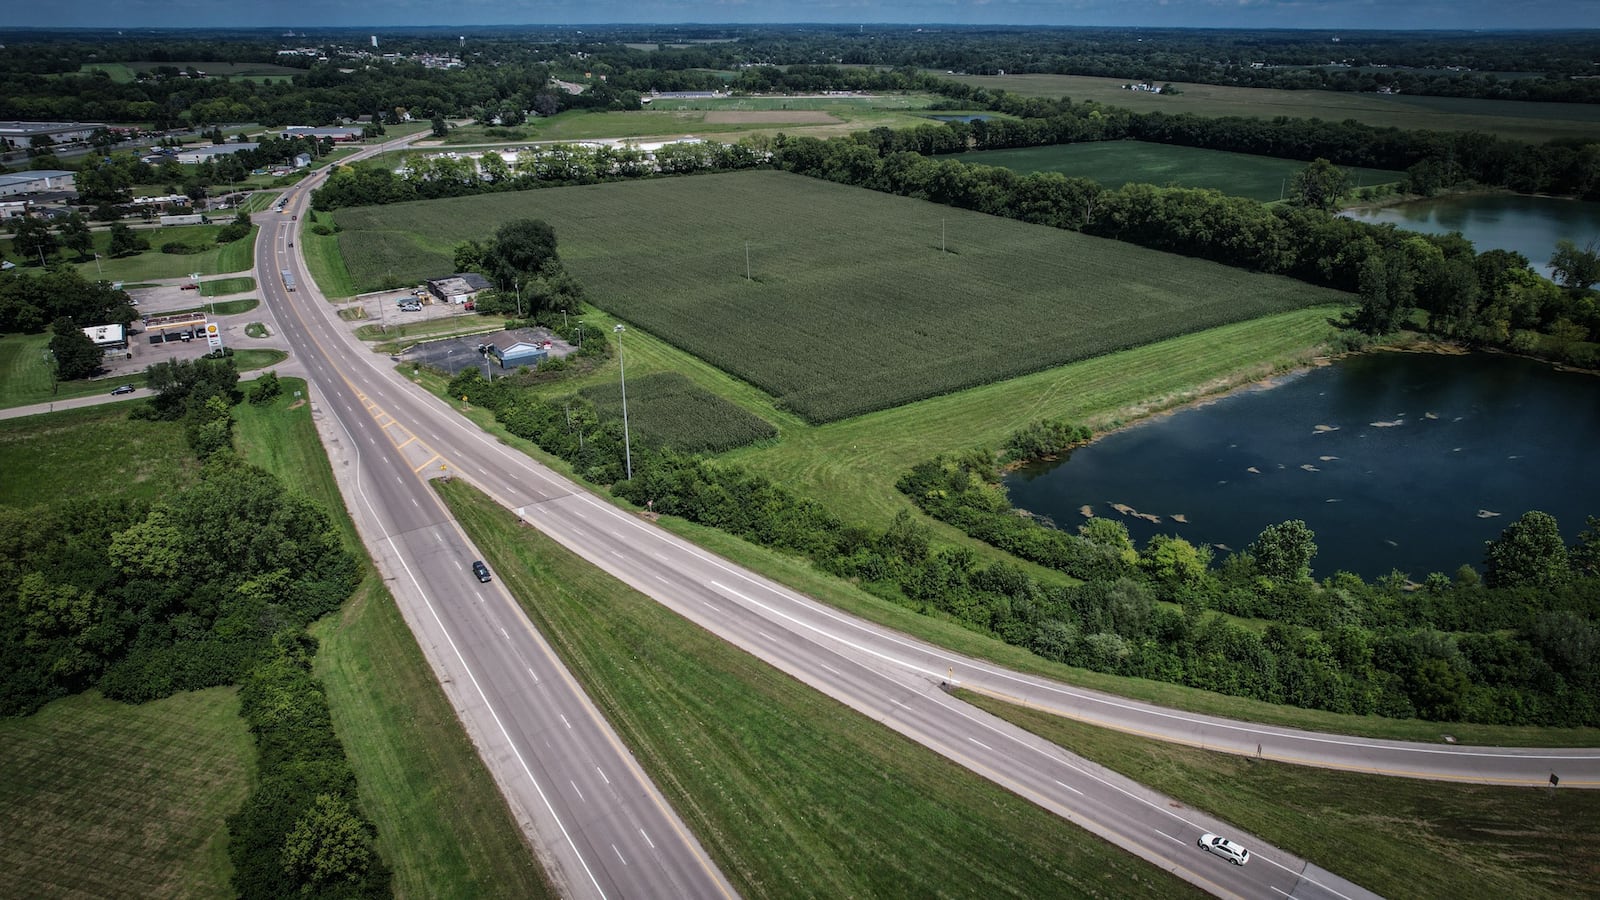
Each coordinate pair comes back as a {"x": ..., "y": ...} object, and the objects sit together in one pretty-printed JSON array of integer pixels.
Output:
[
  {"x": 851, "y": 306},
  {"x": 101, "y": 799},
  {"x": 791, "y": 793}
]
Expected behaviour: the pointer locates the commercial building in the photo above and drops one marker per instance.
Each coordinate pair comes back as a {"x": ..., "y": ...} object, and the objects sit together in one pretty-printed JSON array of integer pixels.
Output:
[
  {"x": 109, "y": 338},
  {"x": 21, "y": 134},
  {"x": 338, "y": 133},
  {"x": 37, "y": 182},
  {"x": 195, "y": 155},
  {"x": 512, "y": 351},
  {"x": 458, "y": 288}
]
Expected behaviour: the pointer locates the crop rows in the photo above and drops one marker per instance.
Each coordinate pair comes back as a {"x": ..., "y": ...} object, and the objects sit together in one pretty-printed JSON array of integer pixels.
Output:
[
  {"x": 668, "y": 410},
  {"x": 855, "y": 301},
  {"x": 1115, "y": 163}
]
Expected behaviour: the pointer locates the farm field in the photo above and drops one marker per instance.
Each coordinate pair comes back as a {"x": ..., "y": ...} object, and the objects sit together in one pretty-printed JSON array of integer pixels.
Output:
[
  {"x": 729, "y": 118},
  {"x": 102, "y": 799},
  {"x": 850, "y": 307},
  {"x": 1115, "y": 163},
  {"x": 1534, "y": 122},
  {"x": 125, "y": 72},
  {"x": 669, "y": 410}
]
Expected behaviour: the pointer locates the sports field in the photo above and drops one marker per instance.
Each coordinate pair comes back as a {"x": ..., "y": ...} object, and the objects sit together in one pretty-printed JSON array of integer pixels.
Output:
[
  {"x": 1115, "y": 163},
  {"x": 850, "y": 305},
  {"x": 1519, "y": 120}
]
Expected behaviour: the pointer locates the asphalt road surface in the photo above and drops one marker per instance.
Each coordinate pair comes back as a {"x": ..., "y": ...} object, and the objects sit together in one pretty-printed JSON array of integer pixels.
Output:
[{"x": 401, "y": 435}]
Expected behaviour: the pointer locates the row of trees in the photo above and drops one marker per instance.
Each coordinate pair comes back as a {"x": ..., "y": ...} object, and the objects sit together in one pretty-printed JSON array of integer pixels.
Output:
[
  {"x": 29, "y": 302},
  {"x": 1493, "y": 298}
]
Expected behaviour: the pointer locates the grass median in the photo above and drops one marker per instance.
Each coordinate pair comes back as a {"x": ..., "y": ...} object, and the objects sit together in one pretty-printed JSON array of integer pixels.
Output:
[
  {"x": 791, "y": 793},
  {"x": 442, "y": 824},
  {"x": 1401, "y": 837}
]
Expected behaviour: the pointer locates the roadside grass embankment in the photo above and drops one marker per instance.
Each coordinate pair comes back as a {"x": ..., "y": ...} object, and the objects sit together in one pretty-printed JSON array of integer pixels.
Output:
[
  {"x": 103, "y": 799},
  {"x": 1400, "y": 837},
  {"x": 791, "y": 793},
  {"x": 221, "y": 286},
  {"x": 324, "y": 262},
  {"x": 442, "y": 825}
]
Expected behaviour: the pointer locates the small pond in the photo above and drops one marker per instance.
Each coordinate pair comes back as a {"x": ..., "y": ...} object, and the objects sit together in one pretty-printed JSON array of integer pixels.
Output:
[
  {"x": 1407, "y": 461},
  {"x": 1529, "y": 225}
]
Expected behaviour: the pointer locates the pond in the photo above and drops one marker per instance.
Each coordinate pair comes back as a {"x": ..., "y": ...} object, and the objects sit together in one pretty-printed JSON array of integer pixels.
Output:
[
  {"x": 1529, "y": 225},
  {"x": 1407, "y": 461}
]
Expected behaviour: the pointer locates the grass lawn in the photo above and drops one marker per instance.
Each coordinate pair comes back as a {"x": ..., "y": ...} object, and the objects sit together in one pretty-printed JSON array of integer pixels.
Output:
[
  {"x": 224, "y": 308},
  {"x": 249, "y": 360},
  {"x": 851, "y": 306},
  {"x": 220, "y": 286},
  {"x": 255, "y": 330},
  {"x": 236, "y": 256},
  {"x": 1115, "y": 163},
  {"x": 1397, "y": 836},
  {"x": 93, "y": 450},
  {"x": 323, "y": 260},
  {"x": 1520, "y": 120},
  {"x": 27, "y": 374},
  {"x": 791, "y": 793},
  {"x": 442, "y": 824},
  {"x": 101, "y": 799}
]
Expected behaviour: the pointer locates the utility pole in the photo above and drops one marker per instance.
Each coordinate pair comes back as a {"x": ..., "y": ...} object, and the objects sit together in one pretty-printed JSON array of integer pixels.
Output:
[
  {"x": 747, "y": 261},
  {"x": 622, "y": 376}
]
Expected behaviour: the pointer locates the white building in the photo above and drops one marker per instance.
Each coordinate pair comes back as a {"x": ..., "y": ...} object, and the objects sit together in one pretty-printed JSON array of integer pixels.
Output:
[
  {"x": 37, "y": 182},
  {"x": 195, "y": 155},
  {"x": 21, "y": 134}
]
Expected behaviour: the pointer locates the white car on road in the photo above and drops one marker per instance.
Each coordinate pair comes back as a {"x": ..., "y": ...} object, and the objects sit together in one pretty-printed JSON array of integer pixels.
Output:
[{"x": 1225, "y": 848}]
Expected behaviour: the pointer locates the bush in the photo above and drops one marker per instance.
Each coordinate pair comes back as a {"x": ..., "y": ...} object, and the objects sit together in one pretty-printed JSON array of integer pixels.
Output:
[{"x": 179, "y": 248}]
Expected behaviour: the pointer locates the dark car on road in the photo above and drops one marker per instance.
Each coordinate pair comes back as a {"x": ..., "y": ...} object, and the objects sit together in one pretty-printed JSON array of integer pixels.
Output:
[
  {"x": 480, "y": 570},
  {"x": 123, "y": 389}
]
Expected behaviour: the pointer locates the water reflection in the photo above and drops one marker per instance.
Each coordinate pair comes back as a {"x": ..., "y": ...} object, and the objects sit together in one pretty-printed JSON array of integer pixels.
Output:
[{"x": 1397, "y": 461}]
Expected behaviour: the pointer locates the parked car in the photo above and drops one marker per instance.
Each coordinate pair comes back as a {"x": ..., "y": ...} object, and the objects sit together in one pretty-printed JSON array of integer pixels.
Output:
[
  {"x": 122, "y": 389},
  {"x": 410, "y": 307},
  {"x": 1224, "y": 848},
  {"x": 191, "y": 287},
  {"x": 480, "y": 570}
]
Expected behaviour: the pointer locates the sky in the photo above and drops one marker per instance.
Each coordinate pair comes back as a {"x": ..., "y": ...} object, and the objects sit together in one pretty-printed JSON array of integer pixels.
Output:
[{"x": 1318, "y": 14}]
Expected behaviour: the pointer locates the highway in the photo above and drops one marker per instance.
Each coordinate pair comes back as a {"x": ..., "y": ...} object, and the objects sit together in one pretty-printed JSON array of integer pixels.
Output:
[
  {"x": 489, "y": 659},
  {"x": 598, "y": 824}
]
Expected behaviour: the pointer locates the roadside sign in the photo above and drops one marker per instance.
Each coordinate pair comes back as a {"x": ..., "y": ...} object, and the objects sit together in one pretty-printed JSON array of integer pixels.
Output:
[{"x": 213, "y": 334}]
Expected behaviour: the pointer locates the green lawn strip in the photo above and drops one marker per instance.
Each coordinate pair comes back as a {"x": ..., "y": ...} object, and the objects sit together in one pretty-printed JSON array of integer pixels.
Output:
[
  {"x": 249, "y": 360},
  {"x": 255, "y": 330},
  {"x": 27, "y": 374},
  {"x": 791, "y": 793},
  {"x": 400, "y": 333},
  {"x": 92, "y": 450},
  {"x": 221, "y": 286},
  {"x": 221, "y": 308},
  {"x": 1115, "y": 163},
  {"x": 101, "y": 799},
  {"x": 442, "y": 824},
  {"x": 324, "y": 262},
  {"x": 235, "y": 256},
  {"x": 1516, "y": 119},
  {"x": 1401, "y": 837}
]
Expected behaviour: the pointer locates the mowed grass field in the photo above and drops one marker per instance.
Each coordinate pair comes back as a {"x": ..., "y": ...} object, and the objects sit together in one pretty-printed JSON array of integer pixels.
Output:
[
  {"x": 851, "y": 306},
  {"x": 151, "y": 264},
  {"x": 1523, "y": 121},
  {"x": 1115, "y": 163},
  {"x": 101, "y": 799},
  {"x": 96, "y": 450},
  {"x": 27, "y": 374}
]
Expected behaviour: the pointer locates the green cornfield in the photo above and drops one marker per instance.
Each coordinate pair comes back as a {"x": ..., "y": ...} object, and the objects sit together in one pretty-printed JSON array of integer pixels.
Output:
[
  {"x": 1116, "y": 163},
  {"x": 836, "y": 300},
  {"x": 668, "y": 410}
]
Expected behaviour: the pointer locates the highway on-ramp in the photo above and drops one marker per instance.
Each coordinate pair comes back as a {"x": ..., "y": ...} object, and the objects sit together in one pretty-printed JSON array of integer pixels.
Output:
[{"x": 884, "y": 674}]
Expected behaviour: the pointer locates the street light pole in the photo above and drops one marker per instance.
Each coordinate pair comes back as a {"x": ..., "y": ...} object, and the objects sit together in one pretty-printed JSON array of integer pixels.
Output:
[
  {"x": 518, "y": 283},
  {"x": 622, "y": 376}
]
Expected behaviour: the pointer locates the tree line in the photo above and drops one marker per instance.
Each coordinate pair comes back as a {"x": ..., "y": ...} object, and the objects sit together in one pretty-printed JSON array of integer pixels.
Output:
[
  {"x": 1515, "y": 646},
  {"x": 213, "y": 584}
]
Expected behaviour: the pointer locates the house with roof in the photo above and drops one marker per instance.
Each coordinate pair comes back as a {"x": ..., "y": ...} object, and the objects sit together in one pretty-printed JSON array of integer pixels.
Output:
[
  {"x": 512, "y": 351},
  {"x": 458, "y": 288}
]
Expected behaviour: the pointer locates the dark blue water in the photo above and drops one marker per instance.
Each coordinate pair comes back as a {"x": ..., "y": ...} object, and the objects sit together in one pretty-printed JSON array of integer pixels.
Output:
[{"x": 1401, "y": 461}]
